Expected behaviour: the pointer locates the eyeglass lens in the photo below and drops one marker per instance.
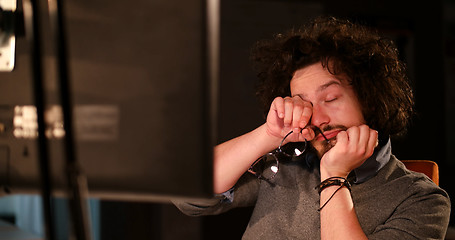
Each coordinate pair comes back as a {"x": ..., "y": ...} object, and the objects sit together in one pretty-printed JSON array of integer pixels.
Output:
[
  {"x": 266, "y": 167},
  {"x": 294, "y": 149}
]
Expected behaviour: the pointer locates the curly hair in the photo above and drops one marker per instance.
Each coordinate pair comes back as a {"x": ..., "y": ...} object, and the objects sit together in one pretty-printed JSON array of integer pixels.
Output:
[{"x": 369, "y": 61}]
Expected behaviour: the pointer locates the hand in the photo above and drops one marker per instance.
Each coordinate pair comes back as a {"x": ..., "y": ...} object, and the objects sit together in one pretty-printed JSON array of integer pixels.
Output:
[
  {"x": 352, "y": 148},
  {"x": 290, "y": 114}
]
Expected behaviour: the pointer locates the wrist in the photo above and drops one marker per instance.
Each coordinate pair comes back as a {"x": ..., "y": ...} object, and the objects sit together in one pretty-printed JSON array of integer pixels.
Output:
[
  {"x": 333, "y": 181},
  {"x": 330, "y": 187},
  {"x": 270, "y": 136},
  {"x": 326, "y": 174}
]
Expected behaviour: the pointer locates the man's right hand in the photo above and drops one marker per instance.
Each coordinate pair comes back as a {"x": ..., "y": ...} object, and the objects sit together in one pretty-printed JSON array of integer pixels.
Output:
[
  {"x": 290, "y": 114},
  {"x": 233, "y": 158}
]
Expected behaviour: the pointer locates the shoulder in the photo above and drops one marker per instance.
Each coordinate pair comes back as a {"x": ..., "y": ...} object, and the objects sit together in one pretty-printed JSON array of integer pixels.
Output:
[
  {"x": 394, "y": 179},
  {"x": 395, "y": 170},
  {"x": 416, "y": 185},
  {"x": 413, "y": 203}
]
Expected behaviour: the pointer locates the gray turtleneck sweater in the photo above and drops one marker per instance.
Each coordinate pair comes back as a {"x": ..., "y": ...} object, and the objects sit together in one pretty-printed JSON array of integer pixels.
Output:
[{"x": 391, "y": 202}]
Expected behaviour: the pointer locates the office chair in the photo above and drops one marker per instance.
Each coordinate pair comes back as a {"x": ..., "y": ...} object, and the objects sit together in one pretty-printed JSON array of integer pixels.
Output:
[{"x": 426, "y": 167}]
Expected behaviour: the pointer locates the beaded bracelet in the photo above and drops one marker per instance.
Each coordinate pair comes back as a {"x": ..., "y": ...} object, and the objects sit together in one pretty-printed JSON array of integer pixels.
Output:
[{"x": 332, "y": 181}]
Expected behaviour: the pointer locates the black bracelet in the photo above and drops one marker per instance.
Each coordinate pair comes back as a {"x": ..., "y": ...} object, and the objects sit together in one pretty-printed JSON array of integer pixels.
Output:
[{"x": 333, "y": 181}]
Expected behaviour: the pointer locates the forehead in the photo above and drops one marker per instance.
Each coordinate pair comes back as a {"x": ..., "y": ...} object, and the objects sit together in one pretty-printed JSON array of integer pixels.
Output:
[{"x": 314, "y": 79}]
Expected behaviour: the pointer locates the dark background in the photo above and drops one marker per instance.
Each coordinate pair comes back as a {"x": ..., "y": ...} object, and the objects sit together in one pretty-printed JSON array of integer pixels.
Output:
[{"x": 425, "y": 35}]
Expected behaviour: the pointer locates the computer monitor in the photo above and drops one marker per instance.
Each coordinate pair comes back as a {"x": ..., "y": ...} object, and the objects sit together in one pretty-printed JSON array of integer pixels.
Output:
[{"x": 143, "y": 88}]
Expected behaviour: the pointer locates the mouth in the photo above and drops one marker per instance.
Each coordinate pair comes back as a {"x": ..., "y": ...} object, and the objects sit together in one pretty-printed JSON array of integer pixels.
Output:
[{"x": 328, "y": 135}]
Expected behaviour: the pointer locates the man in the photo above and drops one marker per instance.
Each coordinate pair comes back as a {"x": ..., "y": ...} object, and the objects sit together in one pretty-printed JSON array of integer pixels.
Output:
[{"x": 341, "y": 87}]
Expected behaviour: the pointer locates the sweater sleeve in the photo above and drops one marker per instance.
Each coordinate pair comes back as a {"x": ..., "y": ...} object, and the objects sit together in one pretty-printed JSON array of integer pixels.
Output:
[
  {"x": 243, "y": 194},
  {"x": 424, "y": 214}
]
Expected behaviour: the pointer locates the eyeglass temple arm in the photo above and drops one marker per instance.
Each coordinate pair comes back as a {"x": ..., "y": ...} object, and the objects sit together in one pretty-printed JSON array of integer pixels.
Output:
[{"x": 316, "y": 129}]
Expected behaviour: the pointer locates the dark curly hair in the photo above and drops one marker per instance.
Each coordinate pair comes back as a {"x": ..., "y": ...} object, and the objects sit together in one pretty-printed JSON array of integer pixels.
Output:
[{"x": 369, "y": 61}]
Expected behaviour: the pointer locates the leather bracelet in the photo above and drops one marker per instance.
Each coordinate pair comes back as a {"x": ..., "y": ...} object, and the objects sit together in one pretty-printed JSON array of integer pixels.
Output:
[{"x": 333, "y": 181}]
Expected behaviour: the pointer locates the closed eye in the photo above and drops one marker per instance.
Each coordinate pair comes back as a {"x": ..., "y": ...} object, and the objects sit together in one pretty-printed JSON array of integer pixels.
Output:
[{"x": 331, "y": 100}]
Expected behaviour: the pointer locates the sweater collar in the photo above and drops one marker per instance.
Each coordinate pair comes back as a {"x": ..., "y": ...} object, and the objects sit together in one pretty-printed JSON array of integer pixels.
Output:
[{"x": 374, "y": 163}]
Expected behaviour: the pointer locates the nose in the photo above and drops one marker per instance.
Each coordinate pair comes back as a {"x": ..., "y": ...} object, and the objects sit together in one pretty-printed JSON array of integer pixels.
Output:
[{"x": 319, "y": 117}]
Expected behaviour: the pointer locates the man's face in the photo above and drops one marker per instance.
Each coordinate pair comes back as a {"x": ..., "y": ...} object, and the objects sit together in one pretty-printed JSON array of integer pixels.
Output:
[{"x": 335, "y": 104}]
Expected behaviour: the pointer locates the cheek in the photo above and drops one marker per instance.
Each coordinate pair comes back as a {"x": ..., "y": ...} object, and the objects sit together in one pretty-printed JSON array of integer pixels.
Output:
[
  {"x": 348, "y": 114},
  {"x": 356, "y": 108},
  {"x": 356, "y": 113}
]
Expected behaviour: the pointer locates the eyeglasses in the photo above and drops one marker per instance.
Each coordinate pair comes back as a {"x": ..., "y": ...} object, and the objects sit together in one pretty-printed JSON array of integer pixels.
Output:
[{"x": 266, "y": 167}]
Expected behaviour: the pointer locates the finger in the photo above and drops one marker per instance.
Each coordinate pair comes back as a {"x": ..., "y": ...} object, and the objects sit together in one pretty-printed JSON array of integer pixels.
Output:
[
  {"x": 278, "y": 106},
  {"x": 306, "y": 114},
  {"x": 297, "y": 112},
  {"x": 288, "y": 111},
  {"x": 342, "y": 138},
  {"x": 307, "y": 134},
  {"x": 364, "y": 136},
  {"x": 373, "y": 141},
  {"x": 353, "y": 137}
]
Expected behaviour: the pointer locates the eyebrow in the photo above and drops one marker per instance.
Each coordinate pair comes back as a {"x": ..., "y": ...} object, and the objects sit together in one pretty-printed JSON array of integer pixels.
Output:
[{"x": 322, "y": 87}]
